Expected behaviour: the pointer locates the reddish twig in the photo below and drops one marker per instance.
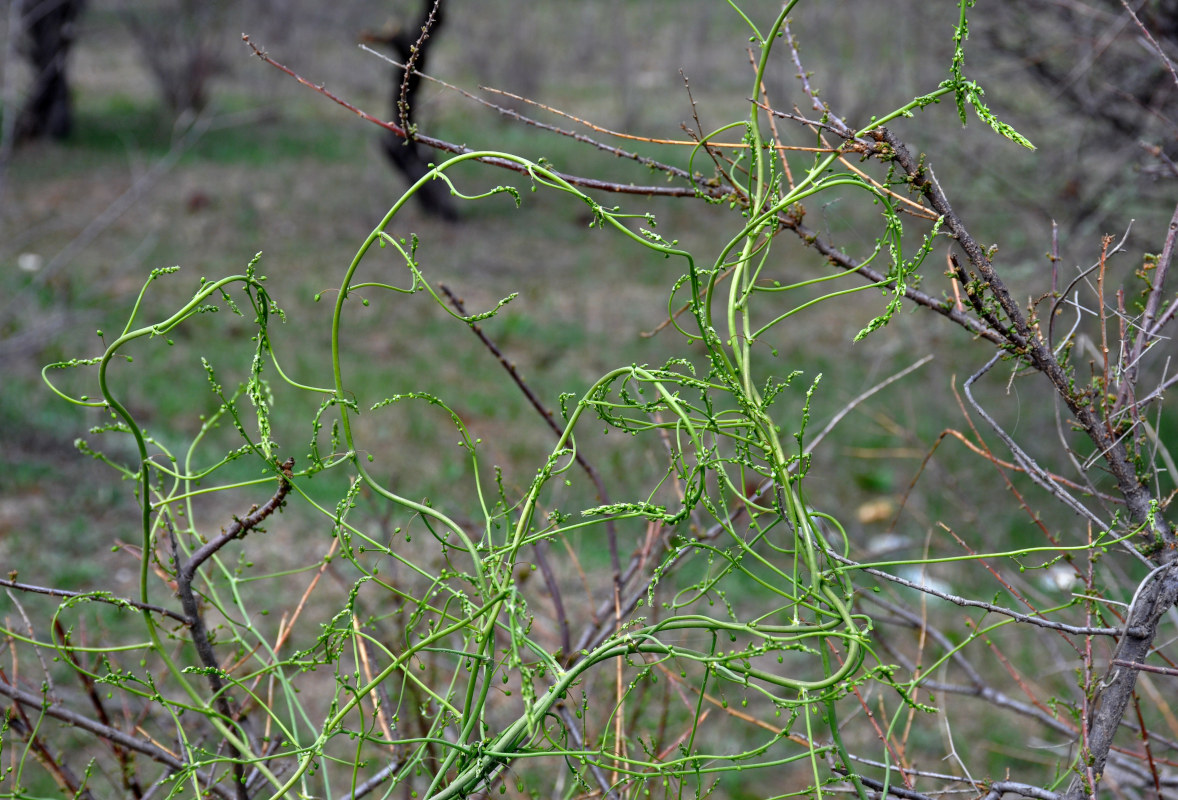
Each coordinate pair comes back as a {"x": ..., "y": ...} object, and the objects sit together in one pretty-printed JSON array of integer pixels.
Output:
[
  {"x": 457, "y": 149},
  {"x": 1119, "y": 662}
]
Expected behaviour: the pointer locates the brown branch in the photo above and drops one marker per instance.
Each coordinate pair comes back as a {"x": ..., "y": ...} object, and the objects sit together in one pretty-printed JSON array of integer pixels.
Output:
[
  {"x": 1145, "y": 667},
  {"x": 598, "y": 483},
  {"x": 457, "y": 149},
  {"x": 115, "y": 735},
  {"x": 53, "y": 763},
  {"x": 832, "y": 253},
  {"x": 511, "y": 113},
  {"x": 1151, "y": 323},
  {"x": 1023, "y": 338},
  {"x": 122, "y": 755},
  {"x": 884, "y": 738},
  {"x": 1157, "y": 48},
  {"x": 1018, "y": 334},
  {"x": 240, "y": 527},
  {"x": 1146, "y": 744},
  {"x": 416, "y": 50},
  {"x": 185, "y": 574},
  {"x": 98, "y": 597},
  {"x": 836, "y": 123},
  {"x": 838, "y": 258},
  {"x": 1159, "y": 596}
]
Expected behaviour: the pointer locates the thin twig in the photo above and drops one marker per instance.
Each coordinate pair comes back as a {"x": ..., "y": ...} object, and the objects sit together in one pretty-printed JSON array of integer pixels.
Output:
[
  {"x": 153, "y": 751},
  {"x": 648, "y": 139},
  {"x": 1145, "y": 667},
  {"x": 130, "y": 779},
  {"x": 548, "y": 417},
  {"x": 840, "y": 127},
  {"x": 382, "y": 775},
  {"x": 1040, "y": 476},
  {"x": 511, "y": 113},
  {"x": 849, "y": 407},
  {"x": 1024, "y": 339},
  {"x": 1157, "y": 48},
  {"x": 457, "y": 149},
  {"x": 54, "y": 763},
  {"x": 186, "y": 572},
  {"x": 415, "y": 52},
  {"x": 574, "y": 731},
  {"x": 97, "y": 597},
  {"x": 1165, "y": 259},
  {"x": 898, "y": 791},
  {"x": 1040, "y": 622}
]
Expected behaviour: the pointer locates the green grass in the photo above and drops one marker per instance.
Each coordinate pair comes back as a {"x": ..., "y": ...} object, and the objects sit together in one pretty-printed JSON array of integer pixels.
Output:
[{"x": 412, "y": 343}]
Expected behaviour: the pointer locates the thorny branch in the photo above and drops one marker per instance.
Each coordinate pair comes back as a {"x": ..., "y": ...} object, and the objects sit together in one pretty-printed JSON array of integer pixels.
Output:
[
  {"x": 546, "y": 414},
  {"x": 1023, "y": 340},
  {"x": 415, "y": 50}
]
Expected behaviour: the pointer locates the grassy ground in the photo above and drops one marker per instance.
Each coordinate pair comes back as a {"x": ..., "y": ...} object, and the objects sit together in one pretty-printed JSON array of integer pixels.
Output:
[{"x": 284, "y": 172}]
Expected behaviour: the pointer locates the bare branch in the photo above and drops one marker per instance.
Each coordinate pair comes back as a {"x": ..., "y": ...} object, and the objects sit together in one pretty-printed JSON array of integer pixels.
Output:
[
  {"x": 1000, "y": 788},
  {"x": 457, "y": 149},
  {"x": 97, "y": 597},
  {"x": 1156, "y": 595},
  {"x": 1157, "y": 48},
  {"x": 1077, "y": 630},
  {"x": 518, "y": 117},
  {"x": 149, "y": 749},
  {"x": 856, "y": 401}
]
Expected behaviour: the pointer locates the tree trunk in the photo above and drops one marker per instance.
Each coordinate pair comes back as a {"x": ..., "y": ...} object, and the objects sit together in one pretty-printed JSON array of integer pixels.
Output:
[
  {"x": 49, "y": 28},
  {"x": 410, "y": 47}
]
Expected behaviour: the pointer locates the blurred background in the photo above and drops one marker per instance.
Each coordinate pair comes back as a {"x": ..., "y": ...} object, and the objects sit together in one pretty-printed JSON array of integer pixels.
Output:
[{"x": 179, "y": 147}]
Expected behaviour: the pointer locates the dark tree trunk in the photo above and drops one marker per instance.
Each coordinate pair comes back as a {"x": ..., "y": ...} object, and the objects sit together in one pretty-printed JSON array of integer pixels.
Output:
[
  {"x": 49, "y": 28},
  {"x": 410, "y": 46}
]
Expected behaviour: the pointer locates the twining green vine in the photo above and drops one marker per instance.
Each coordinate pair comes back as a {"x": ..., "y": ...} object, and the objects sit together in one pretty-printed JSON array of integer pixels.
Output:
[{"x": 731, "y": 501}]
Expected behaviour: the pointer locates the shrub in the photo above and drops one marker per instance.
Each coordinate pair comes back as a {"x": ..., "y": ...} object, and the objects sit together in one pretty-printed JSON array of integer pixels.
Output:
[{"x": 733, "y": 636}]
